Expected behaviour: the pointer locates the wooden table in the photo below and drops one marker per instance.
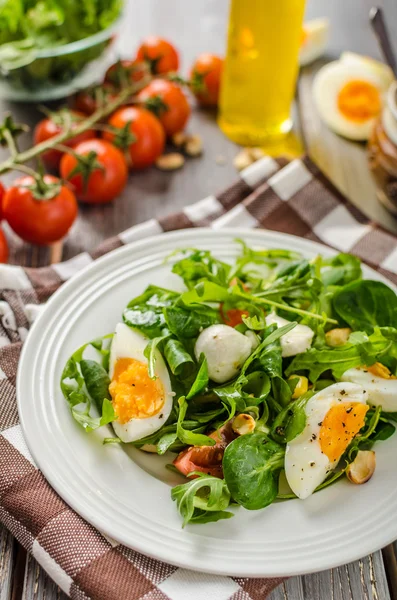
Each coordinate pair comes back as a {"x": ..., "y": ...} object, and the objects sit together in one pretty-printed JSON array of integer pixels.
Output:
[{"x": 194, "y": 27}]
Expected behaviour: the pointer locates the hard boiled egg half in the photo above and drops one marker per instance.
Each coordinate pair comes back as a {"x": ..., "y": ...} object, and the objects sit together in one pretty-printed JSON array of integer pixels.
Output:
[
  {"x": 379, "y": 383},
  {"x": 314, "y": 40},
  {"x": 349, "y": 94},
  {"x": 141, "y": 404},
  {"x": 334, "y": 416}
]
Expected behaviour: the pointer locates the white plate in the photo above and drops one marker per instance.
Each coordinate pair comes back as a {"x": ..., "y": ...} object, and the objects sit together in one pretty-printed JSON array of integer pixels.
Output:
[{"x": 126, "y": 494}]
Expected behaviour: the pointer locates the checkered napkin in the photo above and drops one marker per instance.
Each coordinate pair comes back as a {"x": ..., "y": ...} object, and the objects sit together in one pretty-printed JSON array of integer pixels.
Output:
[{"x": 291, "y": 197}]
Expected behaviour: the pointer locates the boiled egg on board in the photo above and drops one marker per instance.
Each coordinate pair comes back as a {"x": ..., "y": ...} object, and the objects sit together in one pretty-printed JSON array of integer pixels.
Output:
[
  {"x": 141, "y": 404},
  {"x": 296, "y": 341},
  {"x": 314, "y": 40},
  {"x": 379, "y": 383},
  {"x": 334, "y": 416},
  {"x": 349, "y": 94}
]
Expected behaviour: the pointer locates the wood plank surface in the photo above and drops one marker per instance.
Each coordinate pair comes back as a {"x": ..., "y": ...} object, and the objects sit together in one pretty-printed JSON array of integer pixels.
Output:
[{"x": 196, "y": 27}]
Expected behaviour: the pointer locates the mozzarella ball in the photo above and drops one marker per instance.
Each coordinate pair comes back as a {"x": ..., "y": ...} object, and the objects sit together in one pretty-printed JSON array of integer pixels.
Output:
[
  {"x": 296, "y": 341},
  {"x": 225, "y": 349},
  {"x": 334, "y": 416},
  {"x": 380, "y": 384}
]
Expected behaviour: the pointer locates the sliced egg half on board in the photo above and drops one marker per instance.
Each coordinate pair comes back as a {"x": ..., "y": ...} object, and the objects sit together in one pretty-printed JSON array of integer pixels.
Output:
[
  {"x": 141, "y": 404},
  {"x": 334, "y": 416},
  {"x": 314, "y": 40},
  {"x": 349, "y": 94},
  {"x": 379, "y": 382}
]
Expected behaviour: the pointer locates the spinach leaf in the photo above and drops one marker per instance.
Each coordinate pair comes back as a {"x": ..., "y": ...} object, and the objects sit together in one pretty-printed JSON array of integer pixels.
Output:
[
  {"x": 251, "y": 464},
  {"x": 202, "y": 500},
  {"x": 201, "y": 380},
  {"x": 180, "y": 362},
  {"x": 145, "y": 312},
  {"x": 96, "y": 380},
  {"x": 85, "y": 381},
  {"x": 365, "y": 304},
  {"x": 189, "y": 323},
  {"x": 189, "y": 437}
]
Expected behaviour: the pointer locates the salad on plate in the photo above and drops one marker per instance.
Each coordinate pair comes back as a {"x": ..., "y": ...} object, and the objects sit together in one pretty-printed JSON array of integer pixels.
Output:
[{"x": 264, "y": 380}]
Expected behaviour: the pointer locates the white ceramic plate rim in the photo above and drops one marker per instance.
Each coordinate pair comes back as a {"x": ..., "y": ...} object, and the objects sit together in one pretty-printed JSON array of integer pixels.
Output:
[{"x": 348, "y": 542}]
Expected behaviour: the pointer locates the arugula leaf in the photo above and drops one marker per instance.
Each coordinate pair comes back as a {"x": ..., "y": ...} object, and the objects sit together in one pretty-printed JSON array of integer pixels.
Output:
[
  {"x": 189, "y": 437},
  {"x": 251, "y": 464},
  {"x": 202, "y": 500},
  {"x": 200, "y": 265},
  {"x": 340, "y": 269},
  {"x": 145, "y": 312},
  {"x": 365, "y": 304},
  {"x": 201, "y": 380}
]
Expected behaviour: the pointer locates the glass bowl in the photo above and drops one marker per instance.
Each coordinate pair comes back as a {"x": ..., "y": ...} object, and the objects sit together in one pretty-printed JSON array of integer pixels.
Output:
[{"x": 53, "y": 73}]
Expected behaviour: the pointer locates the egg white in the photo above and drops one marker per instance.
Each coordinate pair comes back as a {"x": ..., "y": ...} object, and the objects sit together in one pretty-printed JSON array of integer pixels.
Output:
[
  {"x": 306, "y": 466},
  {"x": 327, "y": 84},
  {"x": 379, "y": 69},
  {"x": 381, "y": 392},
  {"x": 128, "y": 343},
  {"x": 296, "y": 341},
  {"x": 315, "y": 42}
]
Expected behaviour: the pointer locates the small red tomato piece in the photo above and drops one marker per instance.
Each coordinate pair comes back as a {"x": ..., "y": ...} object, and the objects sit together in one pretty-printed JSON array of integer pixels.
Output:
[
  {"x": 147, "y": 129},
  {"x": 48, "y": 128},
  {"x": 205, "y": 78},
  {"x": 233, "y": 316},
  {"x": 167, "y": 100},
  {"x": 2, "y": 192},
  {"x": 37, "y": 220},
  {"x": 160, "y": 54},
  {"x": 86, "y": 101},
  {"x": 3, "y": 247},
  {"x": 103, "y": 184},
  {"x": 125, "y": 71}
]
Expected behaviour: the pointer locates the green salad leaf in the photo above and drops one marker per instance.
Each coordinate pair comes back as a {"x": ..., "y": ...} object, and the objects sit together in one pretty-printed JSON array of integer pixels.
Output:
[{"x": 251, "y": 465}]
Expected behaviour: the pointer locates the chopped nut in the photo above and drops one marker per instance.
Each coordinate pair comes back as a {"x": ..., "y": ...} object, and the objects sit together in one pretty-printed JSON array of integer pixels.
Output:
[
  {"x": 243, "y": 159},
  {"x": 179, "y": 139},
  {"x": 194, "y": 145},
  {"x": 256, "y": 153},
  {"x": 170, "y": 162},
  {"x": 301, "y": 387},
  {"x": 243, "y": 424},
  {"x": 149, "y": 448},
  {"x": 362, "y": 468},
  {"x": 338, "y": 336}
]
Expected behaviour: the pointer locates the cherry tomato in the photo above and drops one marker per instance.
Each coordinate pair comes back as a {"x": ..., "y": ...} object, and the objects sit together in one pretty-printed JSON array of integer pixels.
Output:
[
  {"x": 39, "y": 220},
  {"x": 2, "y": 192},
  {"x": 233, "y": 316},
  {"x": 205, "y": 78},
  {"x": 124, "y": 71},
  {"x": 150, "y": 138},
  {"x": 161, "y": 55},
  {"x": 169, "y": 102},
  {"x": 3, "y": 247},
  {"x": 48, "y": 128},
  {"x": 86, "y": 101},
  {"x": 103, "y": 185}
]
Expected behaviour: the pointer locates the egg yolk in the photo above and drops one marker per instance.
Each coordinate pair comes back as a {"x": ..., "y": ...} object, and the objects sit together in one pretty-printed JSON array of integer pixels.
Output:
[
  {"x": 135, "y": 395},
  {"x": 304, "y": 36},
  {"x": 380, "y": 370},
  {"x": 359, "y": 101},
  {"x": 340, "y": 425}
]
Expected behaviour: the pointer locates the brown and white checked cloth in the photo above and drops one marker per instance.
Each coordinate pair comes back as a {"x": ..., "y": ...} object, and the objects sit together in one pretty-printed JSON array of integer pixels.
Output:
[{"x": 291, "y": 197}]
